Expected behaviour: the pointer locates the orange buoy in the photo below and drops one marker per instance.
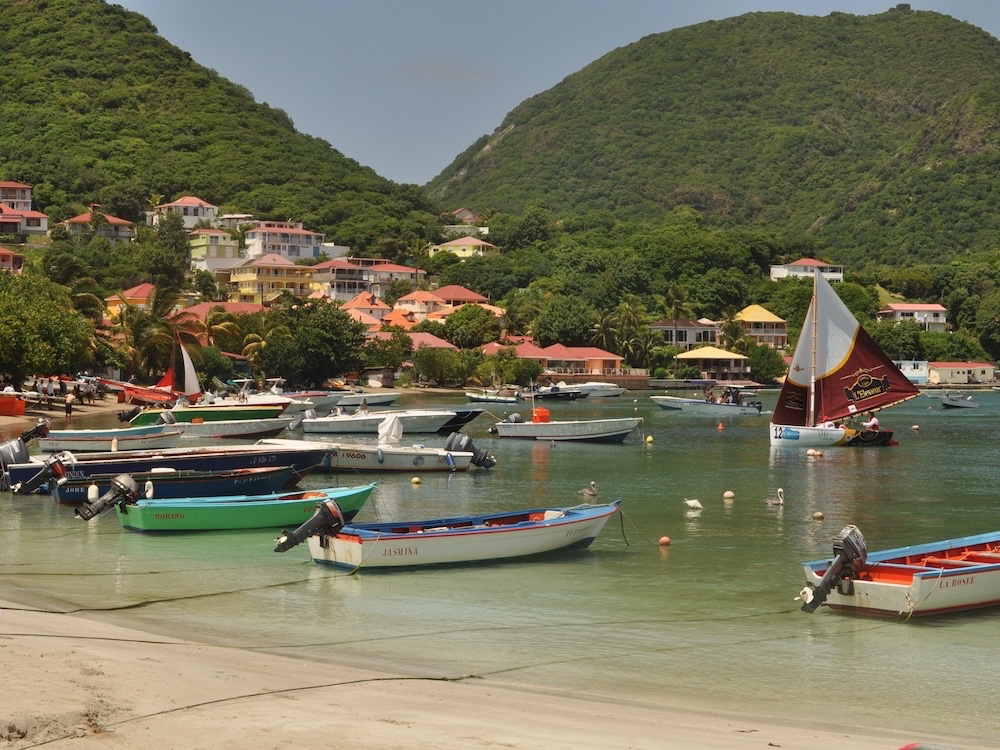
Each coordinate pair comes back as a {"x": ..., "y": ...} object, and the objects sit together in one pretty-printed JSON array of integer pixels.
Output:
[
  {"x": 720, "y": 428},
  {"x": 664, "y": 541}
]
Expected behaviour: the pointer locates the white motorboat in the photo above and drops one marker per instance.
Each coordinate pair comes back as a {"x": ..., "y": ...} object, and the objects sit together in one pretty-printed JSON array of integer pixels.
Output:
[
  {"x": 582, "y": 430},
  {"x": 412, "y": 420},
  {"x": 598, "y": 389}
]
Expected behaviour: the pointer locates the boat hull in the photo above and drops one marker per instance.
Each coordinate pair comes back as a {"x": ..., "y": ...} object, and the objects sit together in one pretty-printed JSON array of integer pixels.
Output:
[
  {"x": 461, "y": 540},
  {"x": 172, "y": 484},
  {"x": 413, "y": 421},
  {"x": 302, "y": 460},
  {"x": 583, "y": 430},
  {"x": 794, "y": 436},
  {"x": 930, "y": 579},
  {"x": 239, "y": 512},
  {"x": 701, "y": 406},
  {"x": 388, "y": 458},
  {"x": 80, "y": 442},
  {"x": 236, "y": 428},
  {"x": 209, "y": 413},
  {"x": 351, "y": 399},
  {"x": 596, "y": 389}
]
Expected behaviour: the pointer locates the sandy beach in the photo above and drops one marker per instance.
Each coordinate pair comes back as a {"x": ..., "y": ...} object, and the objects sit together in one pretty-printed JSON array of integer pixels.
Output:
[
  {"x": 81, "y": 680},
  {"x": 74, "y": 682}
]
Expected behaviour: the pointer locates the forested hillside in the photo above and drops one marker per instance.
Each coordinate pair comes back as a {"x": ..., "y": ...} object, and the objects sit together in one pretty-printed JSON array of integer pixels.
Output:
[
  {"x": 95, "y": 106},
  {"x": 875, "y": 135}
]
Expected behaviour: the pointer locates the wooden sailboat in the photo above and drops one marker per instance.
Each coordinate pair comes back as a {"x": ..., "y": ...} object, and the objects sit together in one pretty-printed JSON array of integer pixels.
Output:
[{"x": 837, "y": 372}]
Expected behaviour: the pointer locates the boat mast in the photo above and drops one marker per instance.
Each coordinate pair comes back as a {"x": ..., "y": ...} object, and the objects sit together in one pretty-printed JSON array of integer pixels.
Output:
[{"x": 811, "y": 420}]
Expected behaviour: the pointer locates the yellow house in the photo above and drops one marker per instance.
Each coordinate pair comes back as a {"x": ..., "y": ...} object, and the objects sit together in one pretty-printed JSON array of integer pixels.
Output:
[
  {"x": 717, "y": 364},
  {"x": 463, "y": 247},
  {"x": 765, "y": 327},
  {"x": 266, "y": 277},
  {"x": 137, "y": 296}
]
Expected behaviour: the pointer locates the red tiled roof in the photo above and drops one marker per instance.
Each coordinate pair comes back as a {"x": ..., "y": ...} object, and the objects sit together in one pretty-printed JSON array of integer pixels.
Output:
[
  {"x": 915, "y": 307},
  {"x": 89, "y": 217},
  {"x": 419, "y": 340},
  {"x": 457, "y": 292},
  {"x": 808, "y": 262}
]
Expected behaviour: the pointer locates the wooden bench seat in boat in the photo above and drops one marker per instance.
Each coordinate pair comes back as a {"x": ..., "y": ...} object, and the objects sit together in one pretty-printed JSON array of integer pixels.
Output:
[{"x": 948, "y": 562}]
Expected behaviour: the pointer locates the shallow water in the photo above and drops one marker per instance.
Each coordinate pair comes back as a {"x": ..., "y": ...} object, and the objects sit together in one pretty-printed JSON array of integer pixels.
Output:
[{"x": 709, "y": 619}]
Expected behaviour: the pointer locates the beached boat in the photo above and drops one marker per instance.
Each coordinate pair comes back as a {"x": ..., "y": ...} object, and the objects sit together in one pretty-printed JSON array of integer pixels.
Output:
[
  {"x": 957, "y": 400},
  {"x": 163, "y": 483},
  {"x": 389, "y": 454},
  {"x": 227, "y": 512},
  {"x": 413, "y": 421},
  {"x": 837, "y": 372},
  {"x": 33, "y": 473},
  {"x": 541, "y": 427},
  {"x": 924, "y": 579},
  {"x": 444, "y": 541},
  {"x": 730, "y": 403},
  {"x": 148, "y": 437}
]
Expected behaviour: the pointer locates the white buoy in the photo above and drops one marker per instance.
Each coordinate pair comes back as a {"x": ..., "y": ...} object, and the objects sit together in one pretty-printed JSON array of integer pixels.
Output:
[
  {"x": 728, "y": 494},
  {"x": 415, "y": 480},
  {"x": 915, "y": 427}
]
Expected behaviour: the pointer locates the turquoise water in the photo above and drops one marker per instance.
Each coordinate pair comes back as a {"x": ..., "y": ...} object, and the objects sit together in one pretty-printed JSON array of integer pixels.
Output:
[{"x": 709, "y": 620}]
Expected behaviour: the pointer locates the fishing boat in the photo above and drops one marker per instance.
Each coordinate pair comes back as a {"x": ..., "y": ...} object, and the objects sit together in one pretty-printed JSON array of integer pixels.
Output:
[
  {"x": 228, "y": 512},
  {"x": 390, "y": 455},
  {"x": 148, "y": 437},
  {"x": 495, "y": 396},
  {"x": 25, "y": 474},
  {"x": 214, "y": 412},
  {"x": 731, "y": 403},
  {"x": 443, "y": 541},
  {"x": 541, "y": 427},
  {"x": 925, "y": 579},
  {"x": 362, "y": 421},
  {"x": 236, "y": 428},
  {"x": 837, "y": 372},
  {"x": 166, "y": 482},
  {"x": 957, "y": 400},
  {"x": 599, "y": 389}
]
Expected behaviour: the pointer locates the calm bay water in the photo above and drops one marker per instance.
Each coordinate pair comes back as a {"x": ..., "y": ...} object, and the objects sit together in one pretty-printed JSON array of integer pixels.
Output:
[{"x": 709, "y": 619}]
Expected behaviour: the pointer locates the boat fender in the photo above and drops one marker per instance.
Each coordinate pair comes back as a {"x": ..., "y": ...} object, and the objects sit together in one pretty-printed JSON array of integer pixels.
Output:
[
  {"x": 380, "y": 456},
  {"x": 451, "y": 461},
  {"x": 123, "y": 490},
  {"x": 93, "y": 492}
]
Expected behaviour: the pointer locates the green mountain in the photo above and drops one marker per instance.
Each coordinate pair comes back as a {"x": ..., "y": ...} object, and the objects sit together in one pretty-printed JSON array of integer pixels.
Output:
[
  {"x": 875, "y": 135},
  {"x": 95, "y": 106}
]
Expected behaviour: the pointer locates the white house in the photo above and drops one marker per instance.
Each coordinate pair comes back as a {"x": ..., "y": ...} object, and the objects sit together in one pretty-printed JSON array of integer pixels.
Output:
[
  {"x": 285, "y": 238},
  {"x": 960, "y": 373},
  {"x": 804, "y": 268},
  {"x": 932, "y": 317},
  {"x": 916, "y": 371},
  {"x": 190, "y": 208}
]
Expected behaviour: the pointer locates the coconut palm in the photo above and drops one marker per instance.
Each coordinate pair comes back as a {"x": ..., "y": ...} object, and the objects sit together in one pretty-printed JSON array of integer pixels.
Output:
[{"x": 254, "y": 344}]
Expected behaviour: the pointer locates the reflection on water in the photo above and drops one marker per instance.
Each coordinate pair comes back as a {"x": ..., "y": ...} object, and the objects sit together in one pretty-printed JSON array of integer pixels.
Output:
[{"x": 711, "y": 618}]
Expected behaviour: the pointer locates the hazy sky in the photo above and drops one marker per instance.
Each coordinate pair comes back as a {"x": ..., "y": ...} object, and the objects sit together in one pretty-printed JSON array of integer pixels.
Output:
[{"x": 404, "y": 86}]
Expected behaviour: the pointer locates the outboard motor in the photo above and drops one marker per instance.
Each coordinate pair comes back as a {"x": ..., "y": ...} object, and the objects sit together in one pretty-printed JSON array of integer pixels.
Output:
[
  {"x": 129, "y": 415},
  {"x": 54, "y": 467},
  {"x": 326, "y": 521},
  {"x": 459, "y": 442},
  {"x": 16, "y": 451},
  {"x": 851, "y": 553},
  {"x": 297, "y": 422},
  {"x": 123, "y": 490},
  {"x": 514, "y": 418},
  {"x": 166, "y": 418}
]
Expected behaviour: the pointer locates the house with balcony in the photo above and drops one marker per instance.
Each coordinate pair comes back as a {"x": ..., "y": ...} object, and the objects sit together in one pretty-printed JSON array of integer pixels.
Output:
[
  {"x": 190, "y": 208},
  {"x": 464, "y": 247},
  {"x": 342, "y": 280},
  {"x": 456, "y": 295},
  {"x": 766, "y": 328},
  {"x": 804, "y": 268},
  {"x": 285, "y": 239},
  {"x": 11, "y": 262},
  {"x": 367, "y": 304},
  {"x": 686, "y": 334},
  {"x": 931, "y": 317},
  {"x": 17, "y": 217},
  {"x": 717, "y": 364},
  {"x": 265, "y": 278},
  {"x": 100, "y": 224},
  {"x": 214, "y": 250}
]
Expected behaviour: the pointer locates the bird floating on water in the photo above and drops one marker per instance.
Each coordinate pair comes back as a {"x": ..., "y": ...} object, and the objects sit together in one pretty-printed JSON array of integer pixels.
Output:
[
  {"x": 779, "y": 500},
  {"x": 590, "y": 491},
  {"x": 693, "y": 504}
]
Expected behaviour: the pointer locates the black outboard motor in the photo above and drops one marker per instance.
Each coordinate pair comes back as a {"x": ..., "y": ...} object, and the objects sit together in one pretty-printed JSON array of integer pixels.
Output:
[
  {"x": 851, "y": 553},
  {"x": 127, "y": 416},
  {"x": 459, "y": 442},
  {"x": 123, "y": 490},
  {"x": 297, "y": 422},
  {"x": 326, "y": 521},
  {"x": 16, "y": 451},
  {"x": 54, "y": 467}
]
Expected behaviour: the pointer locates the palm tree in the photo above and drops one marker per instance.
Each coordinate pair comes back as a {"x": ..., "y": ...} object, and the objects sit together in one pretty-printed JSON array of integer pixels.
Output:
[
  {"x": 255, "y": 344},
  {"x": 604, "y": 332},
  {"x": 730, "y": 329},
  {"x": 676, "y": 306},
  {"x": 218, "y": 322}
]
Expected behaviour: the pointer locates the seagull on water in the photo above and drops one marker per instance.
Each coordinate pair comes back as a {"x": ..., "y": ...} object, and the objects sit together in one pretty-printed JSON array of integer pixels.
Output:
[
  {"x": 590, "y": 491},
  {"x": 779, "y": 500}
]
